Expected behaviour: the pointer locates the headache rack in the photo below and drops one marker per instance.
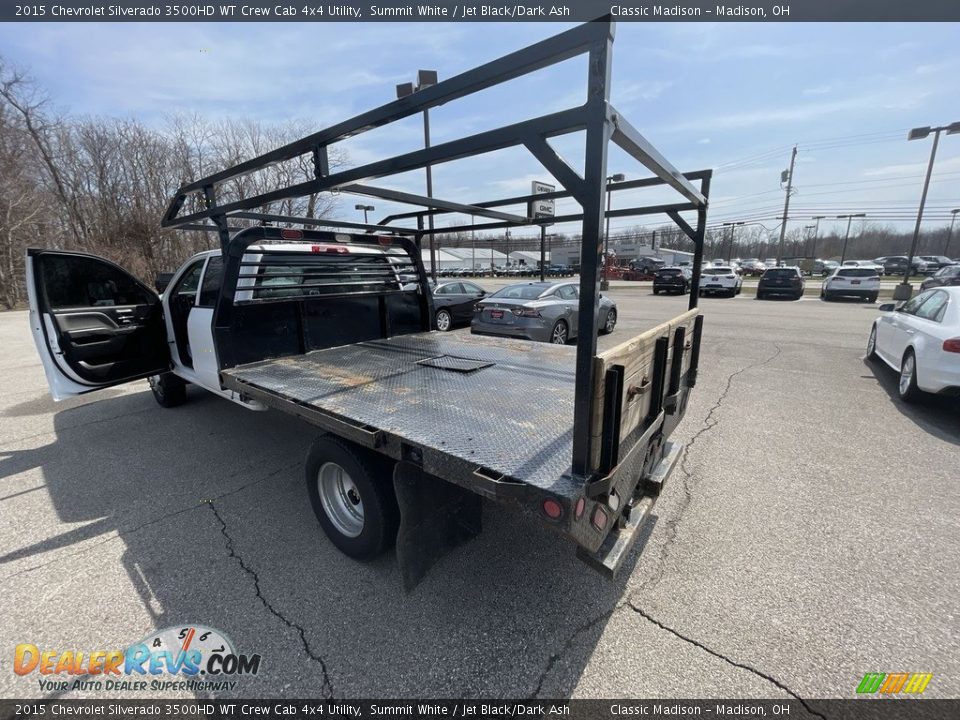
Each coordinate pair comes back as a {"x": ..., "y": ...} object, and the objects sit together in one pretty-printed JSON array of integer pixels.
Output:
[{"x": 603, "y": 383}]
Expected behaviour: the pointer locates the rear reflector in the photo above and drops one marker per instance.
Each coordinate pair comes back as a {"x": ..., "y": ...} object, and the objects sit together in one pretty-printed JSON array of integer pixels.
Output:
[
  {"x": 552, "y": 509},
  {"x": 951, "y": 345},
  {"x": 329, "y": 249},
  {"x": 288, "y": 234},
  {"x": 385, "y": 240},
  {"x": 599, "y": 518},
  {"x": 578, "y": 510}
]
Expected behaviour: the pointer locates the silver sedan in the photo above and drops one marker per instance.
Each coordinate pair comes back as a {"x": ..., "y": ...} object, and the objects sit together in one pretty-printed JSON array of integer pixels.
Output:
[{"x": 540, "y": 311}]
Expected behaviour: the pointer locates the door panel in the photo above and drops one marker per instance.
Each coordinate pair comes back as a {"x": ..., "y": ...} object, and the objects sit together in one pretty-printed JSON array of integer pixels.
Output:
[{"x": 94, "y": 325}]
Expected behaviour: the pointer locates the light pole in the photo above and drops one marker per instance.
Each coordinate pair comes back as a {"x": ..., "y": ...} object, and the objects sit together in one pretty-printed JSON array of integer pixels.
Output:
[
  {"x": 849, "y": 219},
  {"x": 604, "y": 283},
  {"x": 732, "y": 226},
  {"x": 425, "y": 79},
  {"x": 903, "y": 291},
  {"x": 366, "y": 209},
  {"x": 816, "y": 233},
  {"x": 953, "y": 219}
]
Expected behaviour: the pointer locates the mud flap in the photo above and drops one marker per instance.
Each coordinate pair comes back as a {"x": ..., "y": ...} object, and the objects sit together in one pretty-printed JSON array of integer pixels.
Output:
[{"x": 435, "y": 517}]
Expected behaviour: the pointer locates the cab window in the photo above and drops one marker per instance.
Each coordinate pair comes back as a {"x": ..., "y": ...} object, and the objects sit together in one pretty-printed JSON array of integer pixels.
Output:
[
  {"x": 77, "y": 282},
  {"x": 212, "y": 276}
]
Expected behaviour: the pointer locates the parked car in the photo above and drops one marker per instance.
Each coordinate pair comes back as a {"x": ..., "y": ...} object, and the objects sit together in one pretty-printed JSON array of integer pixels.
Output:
[
  {"x": 947, "y": 275},
  {"x": 753, "y": 267},
  {"x": 781, "y": 281},
  {"x": 720, "y": 280},
  {"x": 861, "y": 282},
  {"x": 453, "y": 303},
  {"x": 935, "y": 262},
  {"x": 870, "y": 264},
  {"x": 672, "y": 280},
  {"x": 921, "y": 340},
  {"x": 646, "y": 264},
  {"x": 892, "y": 264},
  {"x": 544, "y": 312},
  {"x": 828, "y": 267}
]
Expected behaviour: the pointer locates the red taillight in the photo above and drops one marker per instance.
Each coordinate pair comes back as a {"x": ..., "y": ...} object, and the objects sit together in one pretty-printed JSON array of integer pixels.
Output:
[
  {"x": 951, "y": 345},
  {"x": 552, "y": 509},
  {"x": 385, "y": 240},
  {"x": 329, "y": 249},
  {"x": 526, "y": 312},
  {"x": 288, "y": 234},
  {"x": 578, "y": 510}
]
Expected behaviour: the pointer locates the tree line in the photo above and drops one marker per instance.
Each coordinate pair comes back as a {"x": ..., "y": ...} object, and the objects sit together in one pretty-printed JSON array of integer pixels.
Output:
[{"x": 101, "y": 185}]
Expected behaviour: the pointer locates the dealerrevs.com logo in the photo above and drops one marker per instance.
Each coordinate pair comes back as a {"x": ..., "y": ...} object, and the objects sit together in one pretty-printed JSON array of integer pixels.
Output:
[
  {"x": 894, "y": 683},
  {"x": 191, "y": 657}
]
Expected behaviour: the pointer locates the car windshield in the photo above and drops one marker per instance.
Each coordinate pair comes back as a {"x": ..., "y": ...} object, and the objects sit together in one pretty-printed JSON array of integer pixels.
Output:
[
  {"x": 857, "y": 272},
  {"x": 669, "y": 272},
  {"x": 721, "y": 270},
  {"x": 780, "y": 273},
  {"x": 519, "y": 292}
]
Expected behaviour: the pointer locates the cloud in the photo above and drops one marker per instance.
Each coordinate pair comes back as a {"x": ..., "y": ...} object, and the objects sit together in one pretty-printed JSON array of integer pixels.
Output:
[
  {"x": 818, "y": 90},
  {"x": 641, "y": 90},
  {"x": 703, "y": 141},
  {"x": 918, "y": 168}
]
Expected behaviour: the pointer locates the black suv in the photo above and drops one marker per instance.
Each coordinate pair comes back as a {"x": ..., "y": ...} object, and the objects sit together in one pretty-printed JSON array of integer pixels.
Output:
[
  {"x": 672, "y": 280},
  {"x": 781, "y": 281}
]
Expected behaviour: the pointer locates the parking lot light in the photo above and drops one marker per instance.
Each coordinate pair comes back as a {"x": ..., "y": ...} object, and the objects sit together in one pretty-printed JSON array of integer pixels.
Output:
[
  {"x": 849, "y": 219},
  {"x": 904, "y": 290},
  {"x": 366, "y": 209},
  {"x": 953, "y": 219},
  {"x": 733, "y": 229}
]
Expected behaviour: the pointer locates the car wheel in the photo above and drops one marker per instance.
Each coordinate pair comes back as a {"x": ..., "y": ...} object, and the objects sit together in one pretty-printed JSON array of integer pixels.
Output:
[
  {"x": 444, "y": 321},
  {"x": 560, "y": 334},
  {"x": 827, "y": 296},
  {"x": 610, "y": 322},
  {"x": 656, "y": 292},
  {"x": 760, "y": 295},
  {"x": 872, "y": 344},
  {"x": 872, "y": 298},
  {"x": 907, "y": 387},
  {"x": 168, "y": 389},
  {"x": 352, "y": 496}
]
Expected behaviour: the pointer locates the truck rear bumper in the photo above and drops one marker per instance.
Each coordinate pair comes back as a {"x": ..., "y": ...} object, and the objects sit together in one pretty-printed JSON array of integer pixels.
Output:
[{"x": 616, "y": 548}]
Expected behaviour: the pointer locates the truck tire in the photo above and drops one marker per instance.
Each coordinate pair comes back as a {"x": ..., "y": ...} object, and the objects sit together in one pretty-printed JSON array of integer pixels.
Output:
[
  {"x": 351, "y": 492},
  {"x": 168, "y": 389}
]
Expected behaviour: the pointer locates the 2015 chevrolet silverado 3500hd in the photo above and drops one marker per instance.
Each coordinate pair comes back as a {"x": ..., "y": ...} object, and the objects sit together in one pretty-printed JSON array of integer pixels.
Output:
[{"x": 335, "y": 327}]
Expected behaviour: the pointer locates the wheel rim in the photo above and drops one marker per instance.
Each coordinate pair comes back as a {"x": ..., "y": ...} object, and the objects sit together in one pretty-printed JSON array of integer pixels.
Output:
[
  {"x": 340, "y": 499},
  {"x": 156, "y": 385},
  {"x": 560, "y": 334},
  {"x": 443, "y": 320},
  {"x": 611, "y": 321},
  {"x": 906, "y": 374},
  {"x": 872, "y": 341}
]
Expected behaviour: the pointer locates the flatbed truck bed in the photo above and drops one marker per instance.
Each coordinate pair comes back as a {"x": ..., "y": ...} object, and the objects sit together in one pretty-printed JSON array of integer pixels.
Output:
[{"x": 476, "y": 407}]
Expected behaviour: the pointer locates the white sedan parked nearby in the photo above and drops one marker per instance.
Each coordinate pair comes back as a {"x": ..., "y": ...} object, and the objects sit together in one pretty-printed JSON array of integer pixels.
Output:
[{"x": 921, "y": 340}]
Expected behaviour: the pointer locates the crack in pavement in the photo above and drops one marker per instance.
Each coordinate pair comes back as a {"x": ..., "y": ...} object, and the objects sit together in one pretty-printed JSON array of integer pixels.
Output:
[
  {"x": 153, "y": 521},
  {"x": 709, "y": 423},
  {"x": 327, "y": 688},
  {"x": 671, "y": 525},
  {"x": 759, "y": 673},
  {"x": 552, "y": 661}
]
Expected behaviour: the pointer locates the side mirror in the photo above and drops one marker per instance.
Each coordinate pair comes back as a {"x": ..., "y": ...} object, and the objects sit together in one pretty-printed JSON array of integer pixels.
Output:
[{"x": 887, "y": 307}]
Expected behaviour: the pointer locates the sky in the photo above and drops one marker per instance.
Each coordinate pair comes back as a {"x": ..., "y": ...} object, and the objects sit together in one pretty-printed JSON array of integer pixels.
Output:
[{"x": 729, "y": 96}]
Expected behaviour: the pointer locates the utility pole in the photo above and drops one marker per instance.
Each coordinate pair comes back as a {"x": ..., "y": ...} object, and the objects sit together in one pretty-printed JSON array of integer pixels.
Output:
[
  {"x": 788, "y": 176},
  {"x": 816, "y": 233},
  {"x": 849, "y": 219}
]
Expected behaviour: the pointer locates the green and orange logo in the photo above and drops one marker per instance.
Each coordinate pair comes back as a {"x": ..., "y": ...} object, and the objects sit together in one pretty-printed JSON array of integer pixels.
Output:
[{"x": 894, "y": 683}]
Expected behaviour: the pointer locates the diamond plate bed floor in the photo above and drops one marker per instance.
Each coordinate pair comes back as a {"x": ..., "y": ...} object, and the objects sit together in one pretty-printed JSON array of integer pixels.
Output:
[{"x": 502, "y": 404}]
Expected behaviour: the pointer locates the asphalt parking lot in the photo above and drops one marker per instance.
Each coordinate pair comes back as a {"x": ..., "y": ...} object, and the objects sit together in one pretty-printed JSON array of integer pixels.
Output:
[{"x": 810, "y": 535}]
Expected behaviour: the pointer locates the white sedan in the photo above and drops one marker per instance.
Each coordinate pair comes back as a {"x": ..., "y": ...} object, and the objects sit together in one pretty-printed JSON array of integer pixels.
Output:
[{"x": 921, "y": 340}]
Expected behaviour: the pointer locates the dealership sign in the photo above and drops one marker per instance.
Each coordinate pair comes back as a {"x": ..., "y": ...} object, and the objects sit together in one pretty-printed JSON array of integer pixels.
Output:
[{"x": 538, "y": 209}]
